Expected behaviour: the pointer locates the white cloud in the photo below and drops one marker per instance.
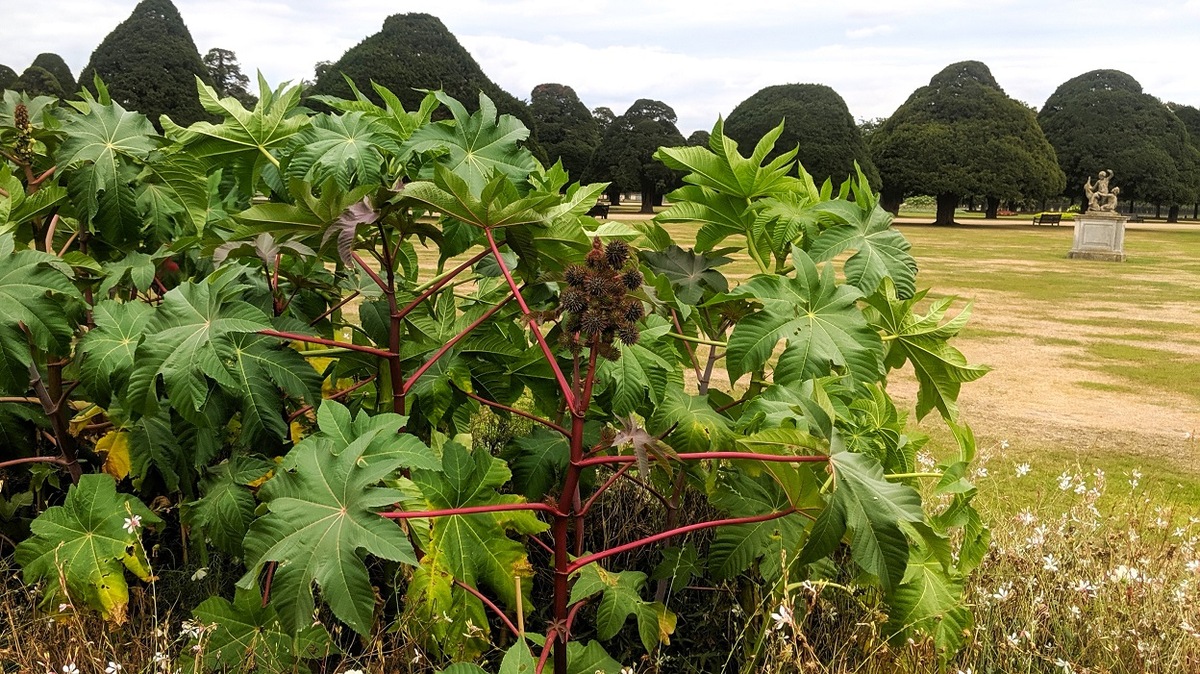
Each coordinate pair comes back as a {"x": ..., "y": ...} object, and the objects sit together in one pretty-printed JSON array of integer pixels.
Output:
[{"x": 873, "y": 31}]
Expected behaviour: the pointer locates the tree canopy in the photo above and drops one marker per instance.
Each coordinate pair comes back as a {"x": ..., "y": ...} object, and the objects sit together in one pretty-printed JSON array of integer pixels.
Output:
[
  {"x": 227, "y": 76},
  {"x": 416, "y": 51},
  {"x": 962, "y": 135},
  {"x": 150, "y": 64},
  {"x": 37, "y": 81},
  {"x": 816, "y": 119},
  {"x": 565, "y": 127},
  {"x": 625, "y": 156},
  {"x": 1102, "y": 120},
  {"x": 7, "y": 76},
  {"x": 55, "y": 65}
]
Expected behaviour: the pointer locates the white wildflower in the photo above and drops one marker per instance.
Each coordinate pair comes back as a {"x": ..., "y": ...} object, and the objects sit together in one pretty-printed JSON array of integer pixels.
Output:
[
  {"x": 981, "y": 471},
  {"x": 1050, "y": 563},
  {"x": 1023, "y": 469},
  {"x": 782, "y": 616},
  {"x": 1064, "y": 665},
  {"x": 70, "y": 669},
  {"x": 1192, "y": 566},
  {"x": 353, "y": 671},
  {"x": 1004, "y": 444},
  {"x": 1075, "y": 611},
  {"x": 1013, "y": 639},
  {"x": 1065, "y": 480},
  {"x": 200, "y": 574},
  {"x": 1135, "y": 478},
  {"x": 1125, "y": 574},
  {"x": 1085, "y": 587},
  {"x": 1027, "y": 517},
  {"x": 627, "y": 670},
  {"x": 132, "y": 523},
  {"x": 926, "y": 460},
  {"x": 1003, "y": 593},
  {"x": 112, "y": 668}
]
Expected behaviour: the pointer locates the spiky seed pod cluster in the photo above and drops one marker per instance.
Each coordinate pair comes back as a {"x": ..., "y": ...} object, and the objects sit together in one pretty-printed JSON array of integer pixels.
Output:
[
  {"x": 24, "y": 145},
  {"x": 597, "y": 305}
]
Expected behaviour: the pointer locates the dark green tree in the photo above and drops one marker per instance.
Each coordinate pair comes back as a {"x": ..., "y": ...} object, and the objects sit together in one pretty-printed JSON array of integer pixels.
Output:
[
  {"x": 699, "y": 138},
  {"x": 55, "y": 65},
  {"x": 1190, "y": 116},
  {"x": 150, "y": 64},
  {"x": 962, "y": 135},
  {"x": 816, "y": 119},
  {"x": 1102, "y": 120},
  {"x": 625, "y": 156},
  {"x": 227, "y": 76},
  {"x": 604, "y": 117},
  {"x": 7, "y": 76},
  {"x": 565, "y": 127},
  {"x": 36, "y": 81},
  {"x": 416, "y": 51}
]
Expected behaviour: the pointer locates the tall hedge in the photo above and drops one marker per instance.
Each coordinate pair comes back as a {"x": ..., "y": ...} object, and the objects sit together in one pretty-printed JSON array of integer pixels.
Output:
[
  {"x": 150, "y": 64},
  {"x": 416, "y": 51},
  {"x": 816, "y": 119},
  {"x": 55, "y": 65},
  {"x": 7, "y": 76}
]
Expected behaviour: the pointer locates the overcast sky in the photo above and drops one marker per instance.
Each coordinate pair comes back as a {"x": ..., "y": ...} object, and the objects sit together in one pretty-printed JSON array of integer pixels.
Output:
[{"x": 701, "y": 58}]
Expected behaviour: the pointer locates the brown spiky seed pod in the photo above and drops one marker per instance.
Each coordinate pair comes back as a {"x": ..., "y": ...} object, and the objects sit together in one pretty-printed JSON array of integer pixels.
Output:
[
  {"x": 595, "y": 285},
  {"x": 629, "y": 334},
  {"x": 592, "y": 323},
  {"x": 634, "y": 310},
  {"x": 573, "y": 300},
  {"x": 609, "y": 352},
  {"x": 575, "y": 275},
  {"x": 617, "y": 253},
  {"x": 632, "y": 279}
]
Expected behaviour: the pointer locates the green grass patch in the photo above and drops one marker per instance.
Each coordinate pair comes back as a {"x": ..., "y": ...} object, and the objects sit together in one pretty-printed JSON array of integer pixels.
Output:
[{"x": 1152, "y": 370}]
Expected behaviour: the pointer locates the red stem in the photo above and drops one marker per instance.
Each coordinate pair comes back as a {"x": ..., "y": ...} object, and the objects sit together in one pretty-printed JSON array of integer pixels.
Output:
[
  {"x": 513, "y": 410},
  {"x": 328, "y": 342},
  {"x": 537, "y": 333},
  {"x": 670, "y": 533},
  {"x": 335, "y": 396},
  {"x": 266, "y": 597},
  {"x": 33, "y": 459},
  {"x": 469, "y": 510},
  {"x": 541, "y": 663},
  {"x": 438, "y": 286},
  {"x": 341, "y": 303},
  {"x": 698, "y": 456},
  {"x": 412, "y": 380},
  {"x": 604, "y": 487},
  {"x": 541, "y": 543},
  {"x": 370, "y": 272},
  {"x": 490, "y": 604}
]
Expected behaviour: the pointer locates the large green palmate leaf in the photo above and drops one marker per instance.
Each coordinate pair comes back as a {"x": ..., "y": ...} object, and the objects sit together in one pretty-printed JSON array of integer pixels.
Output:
[
  {"x": 929, "y": 600},
  {"x": 871, "y": 509},
  {"x": 100, "y": 152},
  {"x": 620, "y": 597},
  {"x": 693, "y": 275},
  {"x": 188, "y": 341},
  {"x": 639, "y": 375},
  {"x": 89, "y": 541},
  {"x": 108, "y": 349},
  {"x": 495, "y": 204},
  {"x": 693, "y": 425},
  {"x": 223, "y": 514},
  {"x": 880, "y": 250},
  {"x": 819, "y": 320},
  {"x": 245, "y": 636},
  {"x": 180, "y": 179},
  {"x": 244, "y": 139},
  {"x": 262, "y": 369},
  {"x": 36, "y": 294},
  {"x": 324, "y": 504},
  {"x": 923, "y": 341},
  {"x": 722, "y": 168},
  {"x": 348, "y": 148},
  {"x": 477, "y": 145},
  {"x": 735, "y": 548},
  {"x": 476, "y": 548},
  {"x": 538, "y": 462}
]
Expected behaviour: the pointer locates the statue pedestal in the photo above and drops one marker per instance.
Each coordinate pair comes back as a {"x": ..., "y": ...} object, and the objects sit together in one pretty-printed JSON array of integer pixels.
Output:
[{"x": 1099, "y": 236}]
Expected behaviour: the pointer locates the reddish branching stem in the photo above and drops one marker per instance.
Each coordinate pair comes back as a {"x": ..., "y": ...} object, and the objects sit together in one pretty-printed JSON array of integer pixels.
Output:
[
  {"x": 490, "y": 604},
  {"x": 700, "y": 456},
  {"x": 340, "y": 303},
  {"x": 572, "y": 404},
  {"x": 512, "y": 410},
  {"x": 671, "y": 533},
  {"x": 291, "y": 336},
  {"x": 438, "y": 285},
  {"x": 32, "y": 459},
  {"x": 412, "y": 380},
  {"x": 604, "y": 487},
  {"x": 335, "y": 396},
  {"x": 469, "y": 510},
  {"x": 371, "y": 272}
]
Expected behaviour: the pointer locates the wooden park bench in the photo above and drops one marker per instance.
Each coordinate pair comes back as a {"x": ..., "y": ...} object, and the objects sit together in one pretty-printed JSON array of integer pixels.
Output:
[{"x": 1047, "y": 219}]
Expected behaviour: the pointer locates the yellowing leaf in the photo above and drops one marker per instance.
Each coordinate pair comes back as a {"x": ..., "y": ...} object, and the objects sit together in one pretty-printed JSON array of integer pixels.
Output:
[
  {"x": 115, "y": 446},
  {"x": 82, "y": 419}
]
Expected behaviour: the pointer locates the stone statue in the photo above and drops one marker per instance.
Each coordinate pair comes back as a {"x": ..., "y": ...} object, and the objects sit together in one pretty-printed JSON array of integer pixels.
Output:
[{"x": 1100, "y": 198}]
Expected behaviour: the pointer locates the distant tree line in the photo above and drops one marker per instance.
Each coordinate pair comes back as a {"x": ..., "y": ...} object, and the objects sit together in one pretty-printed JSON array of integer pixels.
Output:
[{"x": 960, "y": 138}]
